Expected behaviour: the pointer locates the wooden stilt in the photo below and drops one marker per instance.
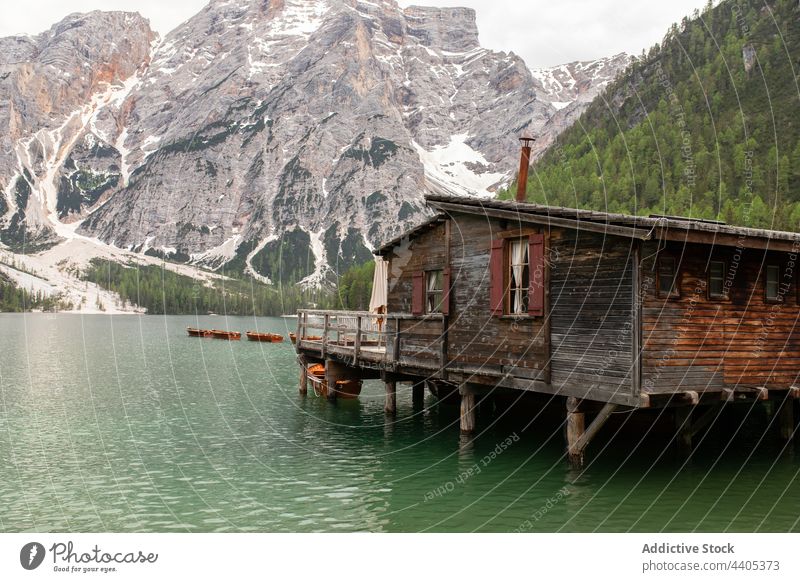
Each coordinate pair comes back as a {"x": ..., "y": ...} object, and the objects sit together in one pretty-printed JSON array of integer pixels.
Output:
[
  {"x": 785, "y": 418},
  {"x": 683, "y": 428},
  {"x": 331, "y": 376},
  {"x": 467, "y": 410},
  {"x": 390, "y": 405},
  {"x": 578, "y": 435},
  {"x": 418, "y": 395},
  {"x": 576, "y": 422},
  {"x": 303, "y": 378}
]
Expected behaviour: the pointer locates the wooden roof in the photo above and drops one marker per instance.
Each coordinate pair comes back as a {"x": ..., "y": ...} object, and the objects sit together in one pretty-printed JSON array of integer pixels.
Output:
[{"x": 639, "y": 227}]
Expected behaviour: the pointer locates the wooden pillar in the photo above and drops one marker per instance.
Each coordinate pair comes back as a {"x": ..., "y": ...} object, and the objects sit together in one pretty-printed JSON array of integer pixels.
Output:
[
  {"x": 331, "y": 376},
  {"x": 303, "y": 378},
  {"x": 576, "y": 424},
  {"x": 467, "y": 410},
  {"x": 683, "y": 429},
  {"x": 418, "y": 395},
  {"x": 785, "y": 418},
  {"x": 390, "y": 405}
]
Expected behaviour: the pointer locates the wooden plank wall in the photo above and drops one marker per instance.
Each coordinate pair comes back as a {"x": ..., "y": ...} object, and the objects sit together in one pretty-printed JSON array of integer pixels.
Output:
[
  {"x": 477, "y": 338},
  {"x": 591, "y": 310},
  {"x": 695, "y": 343},
  {"x": 425, "y": 252}
]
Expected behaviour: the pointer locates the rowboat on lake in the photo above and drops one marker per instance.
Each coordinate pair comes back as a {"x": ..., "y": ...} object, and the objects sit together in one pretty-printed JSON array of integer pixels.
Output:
[
  {"x": 308, "y": 338},
  {"x": 226, "y": 335},
  {"x": 255, "y": 336},
  {"x": 344, "y": 388},
  {"x": 194, "y": 332}
]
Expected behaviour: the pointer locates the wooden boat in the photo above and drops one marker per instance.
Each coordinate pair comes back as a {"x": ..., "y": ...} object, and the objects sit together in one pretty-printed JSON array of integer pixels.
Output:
[
  {"x": 226, "y": 335},
  {"x": 255, "y": 336},
  {"x": 347, "y": 389},
  {"x": 194, "y": 332},
  {"x": 308, "y": 338}
]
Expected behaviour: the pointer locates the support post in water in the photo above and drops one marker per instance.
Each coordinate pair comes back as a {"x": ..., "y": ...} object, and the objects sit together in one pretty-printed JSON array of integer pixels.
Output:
[
  {"x": 467, "y": 409},
  {"x": 683, "y": 428},
  {"x": 576, "y": 423},
  {"x": 331, "y": 376},
  {"x": 785, "y": 418},
  {"x": 418, "y": 394},
  {"x": 390, "y": 404},
  {"x": 303, "y": 377}
]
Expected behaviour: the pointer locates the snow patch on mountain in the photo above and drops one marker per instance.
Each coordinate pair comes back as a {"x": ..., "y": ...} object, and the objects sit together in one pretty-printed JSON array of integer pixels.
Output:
[{"x": 459, "y": 168}]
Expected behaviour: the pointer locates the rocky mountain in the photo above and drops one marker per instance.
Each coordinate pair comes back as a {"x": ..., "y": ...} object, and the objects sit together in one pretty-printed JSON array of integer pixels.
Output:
[{"x": 283, "y": 138}]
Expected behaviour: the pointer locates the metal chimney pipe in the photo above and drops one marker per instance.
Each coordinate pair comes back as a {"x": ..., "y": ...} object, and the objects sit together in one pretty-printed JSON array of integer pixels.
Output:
[{"x": 524, "y": 163}]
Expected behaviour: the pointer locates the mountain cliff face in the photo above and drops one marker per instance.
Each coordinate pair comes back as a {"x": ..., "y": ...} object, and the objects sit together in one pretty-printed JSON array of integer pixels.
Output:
[{"x": 280, "y": 137}]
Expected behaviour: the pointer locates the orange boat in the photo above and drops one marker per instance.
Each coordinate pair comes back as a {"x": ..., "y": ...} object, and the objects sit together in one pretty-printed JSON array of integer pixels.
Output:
[
  {"x": 226, "y": 335},
  {"x": 344, "y": 388},
  {"x": 194, "y": 332},
  {"x": 308, "y": 338},
  {"x": 255, "y": 336}
]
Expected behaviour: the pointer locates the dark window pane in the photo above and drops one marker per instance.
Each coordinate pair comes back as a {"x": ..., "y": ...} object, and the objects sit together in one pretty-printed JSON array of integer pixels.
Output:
[
  {"x": 666, "y": 276},
  {"x": 716, "y": 279},
  {"x": 773, "y": 272}
]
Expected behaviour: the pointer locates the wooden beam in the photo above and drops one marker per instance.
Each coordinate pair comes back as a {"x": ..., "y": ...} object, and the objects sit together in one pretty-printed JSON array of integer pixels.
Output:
[
  {"x": 325, "y": 327},
  {"x": 357, "y": 343},
  {"x": 390, "y": 403},
  {"x": 708, "y": 416},
  {"x": 467, "y": 420},
  {"x": 303, "y": 378},
  {"x": 596, "y": 425},
  {"x": 418, "y": 394},
  {"x": 332, "y": 370},
  {"x": 523, "y": 217},
  {"x": 636, "y": 335},
  {"x": 784, "y": 417},
  {"x": 683, "y": 427},
  {"x": 575, "y": 430},
  {"x": 725, "y": 239}
]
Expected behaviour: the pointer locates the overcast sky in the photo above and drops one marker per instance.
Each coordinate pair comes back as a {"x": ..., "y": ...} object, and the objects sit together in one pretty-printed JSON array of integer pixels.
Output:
[{"x": 543, "y": 32}]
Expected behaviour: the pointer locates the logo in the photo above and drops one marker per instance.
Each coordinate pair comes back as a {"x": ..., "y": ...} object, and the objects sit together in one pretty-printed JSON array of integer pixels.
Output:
[{"x": 32, "y": 555}]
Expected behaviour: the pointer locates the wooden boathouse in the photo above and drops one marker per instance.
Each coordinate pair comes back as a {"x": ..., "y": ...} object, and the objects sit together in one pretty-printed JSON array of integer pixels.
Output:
[{"x": 609, "y": 311}]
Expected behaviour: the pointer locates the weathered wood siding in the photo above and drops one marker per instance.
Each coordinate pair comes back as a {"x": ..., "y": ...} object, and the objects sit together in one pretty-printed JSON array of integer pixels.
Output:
[
  {"x": 591, "y": 311},
  {"x": 478, "y": 339},
  {"x": 425, "y": 252},
  {"x": 692, "y": 342}
]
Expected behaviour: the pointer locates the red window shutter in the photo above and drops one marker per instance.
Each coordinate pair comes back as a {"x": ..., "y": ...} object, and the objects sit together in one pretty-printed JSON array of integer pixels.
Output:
[
  {"x": 537, "y": 267},
  {"x": 418, "y": 294},
  {"x": 496, "y": 278},
  {"x": 446, "y": 292}
]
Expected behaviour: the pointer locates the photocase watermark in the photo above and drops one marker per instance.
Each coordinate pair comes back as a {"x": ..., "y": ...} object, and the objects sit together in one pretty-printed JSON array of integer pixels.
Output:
[
  {"x": 471, "y": 471},
  {"x": 31, "y": 555},
  {"x": 551, "y": 502}
]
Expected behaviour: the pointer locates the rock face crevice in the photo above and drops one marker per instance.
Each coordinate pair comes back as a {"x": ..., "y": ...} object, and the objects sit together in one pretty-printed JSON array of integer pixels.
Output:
[{"x": 258, "y": 118}]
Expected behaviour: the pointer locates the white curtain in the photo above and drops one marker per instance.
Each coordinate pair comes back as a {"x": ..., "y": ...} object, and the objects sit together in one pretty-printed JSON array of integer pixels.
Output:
[
  {"x": 377, "y": 304},
  {"x": 430, "y": 296},
  {"x": 519, "y": 254}
]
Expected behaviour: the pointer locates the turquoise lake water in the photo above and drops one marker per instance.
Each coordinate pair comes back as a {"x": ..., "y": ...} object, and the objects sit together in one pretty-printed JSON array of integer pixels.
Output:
[{"x": 125, "y": 424}]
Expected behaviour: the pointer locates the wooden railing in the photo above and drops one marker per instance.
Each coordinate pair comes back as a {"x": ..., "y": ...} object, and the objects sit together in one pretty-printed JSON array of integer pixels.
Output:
[{"x": 394, "y": 338}]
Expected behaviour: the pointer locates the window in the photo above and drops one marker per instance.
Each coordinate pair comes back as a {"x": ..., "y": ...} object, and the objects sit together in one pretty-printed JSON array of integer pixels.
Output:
[
  {"x": 716, "y": 280},
  {"x": 773, "y": 273},
  {"x": 518, "y": 276},
  {"x": 434, "y": 291},
  {"x": 667, "y": 277}
]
